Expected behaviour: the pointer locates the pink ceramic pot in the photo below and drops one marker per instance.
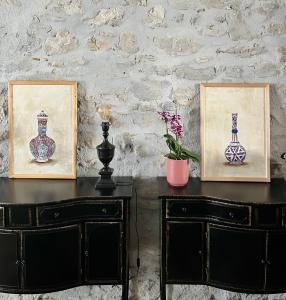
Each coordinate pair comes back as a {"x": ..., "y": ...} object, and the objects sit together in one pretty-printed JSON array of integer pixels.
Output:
[{"x": 177, "y": 172}]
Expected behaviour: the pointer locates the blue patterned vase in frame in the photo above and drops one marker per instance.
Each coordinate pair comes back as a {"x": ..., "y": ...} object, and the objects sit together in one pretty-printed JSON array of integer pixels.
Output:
[
  {"x": 42, "y": 147},
  {"x": 235, "y": 152}
]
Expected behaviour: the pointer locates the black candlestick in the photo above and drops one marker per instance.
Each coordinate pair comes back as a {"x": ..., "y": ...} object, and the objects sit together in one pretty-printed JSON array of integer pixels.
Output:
[{"x": 105, "y": 152}]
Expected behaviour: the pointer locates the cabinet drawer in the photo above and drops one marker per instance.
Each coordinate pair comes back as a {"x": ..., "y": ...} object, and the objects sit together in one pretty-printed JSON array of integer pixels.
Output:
[
  {"x": 267, "y": 216},
  {"x": 2, "y": 217},
  {"x": 284, "y": 216},
  {"x": 232, "y": 213},
  {"x": 82, "y": 210},
  {"x": 20, "y": 215}
]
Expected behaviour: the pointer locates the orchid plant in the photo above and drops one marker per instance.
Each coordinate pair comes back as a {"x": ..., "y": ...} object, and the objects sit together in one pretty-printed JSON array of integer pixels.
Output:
[{"x": 173, "y": 125}]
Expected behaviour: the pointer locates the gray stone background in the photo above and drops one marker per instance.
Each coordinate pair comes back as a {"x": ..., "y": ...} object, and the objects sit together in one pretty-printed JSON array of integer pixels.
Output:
[{"x": 141, "y": 56}]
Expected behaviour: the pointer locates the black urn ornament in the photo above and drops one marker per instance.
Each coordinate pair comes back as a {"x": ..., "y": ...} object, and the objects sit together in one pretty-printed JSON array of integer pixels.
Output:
[{"x": 105, "y": 152}]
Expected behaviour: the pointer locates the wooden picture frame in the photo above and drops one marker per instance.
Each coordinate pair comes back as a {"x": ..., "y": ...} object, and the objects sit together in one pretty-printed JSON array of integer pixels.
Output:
[
  {"x": 230, "y": 112},
  {"x": 49, "y": 106}
]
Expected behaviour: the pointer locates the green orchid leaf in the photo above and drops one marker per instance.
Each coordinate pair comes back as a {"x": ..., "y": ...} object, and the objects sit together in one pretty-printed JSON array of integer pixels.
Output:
[
  {"x": 193, "y": 156},
  {"x": 171, "y": 145},
  {"x": 171, "y": 156},
  {"x": 177, "y": 151},
  {"x": 168, "y": 136}
]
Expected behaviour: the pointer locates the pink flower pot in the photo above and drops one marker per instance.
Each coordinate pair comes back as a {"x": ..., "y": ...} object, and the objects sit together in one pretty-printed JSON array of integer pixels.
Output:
[{"x": 177, "y": 172}]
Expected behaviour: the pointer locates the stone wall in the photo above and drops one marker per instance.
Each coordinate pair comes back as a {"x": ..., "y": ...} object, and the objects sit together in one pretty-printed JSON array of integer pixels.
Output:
[{"x": 141, "y": 56}]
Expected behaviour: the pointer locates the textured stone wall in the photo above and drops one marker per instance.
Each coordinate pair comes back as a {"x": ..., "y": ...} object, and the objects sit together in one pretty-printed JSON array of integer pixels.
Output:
[{"x": 140, "y": 56}]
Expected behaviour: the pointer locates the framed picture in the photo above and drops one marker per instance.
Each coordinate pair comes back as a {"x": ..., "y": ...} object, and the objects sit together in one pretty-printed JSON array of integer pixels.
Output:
[
  {"x": 42, "y": 117},
  {"x": 235, "y": 132}
]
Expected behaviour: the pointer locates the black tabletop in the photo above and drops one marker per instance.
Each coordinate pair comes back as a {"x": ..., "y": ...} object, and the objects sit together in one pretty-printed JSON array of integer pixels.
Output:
[
  {"x": 245, "y": 192},
  {"x": 34, "y": 191}
]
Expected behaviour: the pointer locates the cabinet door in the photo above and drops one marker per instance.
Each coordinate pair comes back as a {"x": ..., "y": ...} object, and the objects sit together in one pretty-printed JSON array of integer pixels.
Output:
[
  {"x": 276, "y": 261},
  {"x": 103, "y": 252},
  {"x": 184, "y": 252},
  {"x": 51, "y": 257},
  {"x": 236, "y": 257},
  {"x": 9, "y": 259}
]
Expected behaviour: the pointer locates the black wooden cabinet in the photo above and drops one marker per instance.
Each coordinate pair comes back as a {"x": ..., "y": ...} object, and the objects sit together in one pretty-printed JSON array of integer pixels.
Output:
[
  {"x": 235, "y": 257},
  {"x": 51, "y": 257},
  {"x": 61, "y": 234},
  {"x": 103, "y": 252},
  {"x": 184, "y": 252},
  {"x": 276, "y": 260},
  {"x": 9, "y": 260},
  {"x": 227, "y": 235}
]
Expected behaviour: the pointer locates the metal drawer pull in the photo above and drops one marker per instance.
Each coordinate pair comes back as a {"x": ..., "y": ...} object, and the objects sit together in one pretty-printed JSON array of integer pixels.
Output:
[
  {"x": 104, "y": 210},
  {"x": 22, "y": 262},
  {"x": 184, "y": 209},
  {"x": 231, "y": 214},
  {"x": 265, "y": 262},
  {"x": 56, "y": 215},
  {"x": 200, "y": 252}
]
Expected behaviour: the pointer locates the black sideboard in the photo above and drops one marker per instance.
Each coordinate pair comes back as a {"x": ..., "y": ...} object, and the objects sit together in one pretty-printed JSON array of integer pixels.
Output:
[
  {"x": 58, "y": 234},
  {"x": 223, "y": 234}
]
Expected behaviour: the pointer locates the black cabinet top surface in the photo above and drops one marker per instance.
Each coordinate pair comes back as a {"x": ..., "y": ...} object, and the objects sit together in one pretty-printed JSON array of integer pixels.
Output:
[
  {"x": 36, "y": 191},
  {"x": 244, "y": 192}
]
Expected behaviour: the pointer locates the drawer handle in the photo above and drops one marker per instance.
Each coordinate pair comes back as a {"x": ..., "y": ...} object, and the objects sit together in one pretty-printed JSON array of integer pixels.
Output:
[
  {"x": 231, "y": 214},
  {"x": 200, "y": 252},
  {"x": 184, "y": 209},
  {"x": 265, "y": 262},
  {"x": 104, "y": 210},
  {"x": 56, "y": 215}
]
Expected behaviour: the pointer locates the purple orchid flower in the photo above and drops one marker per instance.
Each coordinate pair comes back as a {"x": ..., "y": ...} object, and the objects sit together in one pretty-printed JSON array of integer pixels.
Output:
[
  {"x": 174, "y": 122},
  {"x": 176, "y": 128},
  {"x": 165, "y": 116},
  {"x": 175, "y": 118}
]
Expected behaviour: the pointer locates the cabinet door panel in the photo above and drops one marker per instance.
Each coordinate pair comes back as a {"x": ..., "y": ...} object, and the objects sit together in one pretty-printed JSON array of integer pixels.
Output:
[
  {"x": 276, "y": 267},
  {"x": 103, "y": 252},
  {"x": 9, "y": 261},
  {"x": 52, "y": 257},
  {"x": 184, "y": 251},
  {"x": 236, "y": 257}
]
